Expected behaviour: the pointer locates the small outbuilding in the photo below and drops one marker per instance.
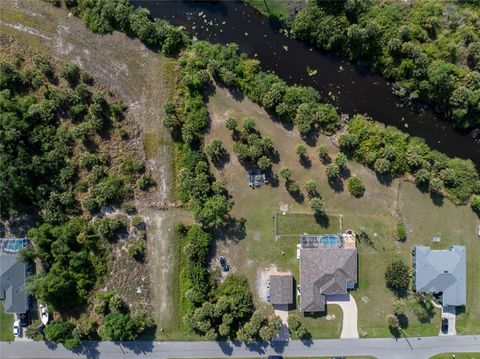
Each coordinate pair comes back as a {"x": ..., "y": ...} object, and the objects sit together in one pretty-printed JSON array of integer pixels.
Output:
[
  {"x": 281, "y": 289},
  {"x": 256, "y": 178}
]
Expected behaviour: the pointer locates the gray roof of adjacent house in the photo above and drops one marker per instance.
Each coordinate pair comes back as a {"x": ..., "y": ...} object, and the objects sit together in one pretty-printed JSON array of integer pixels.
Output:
[
  {"x": 442, "y": 271},
  {"x": 281, "y": 288},
  {"x": 12, "y": 283},
  {"x": 325, "y": 271}
]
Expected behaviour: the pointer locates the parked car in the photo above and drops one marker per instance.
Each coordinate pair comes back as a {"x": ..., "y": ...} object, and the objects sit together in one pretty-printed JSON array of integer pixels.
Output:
[
  {"x": 223, "y": 263},
  {"x": 275, "y": 357},
  {"x": 444, "y": 325},
  {"x": 43, "y": 311},
  {"x": 16, "y": 328},
  {"x": 23, "y": 319}
]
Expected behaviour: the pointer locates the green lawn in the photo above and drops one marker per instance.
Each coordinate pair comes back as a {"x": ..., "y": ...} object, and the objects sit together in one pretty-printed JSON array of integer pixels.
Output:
[
  {"x": 299, "y": 223},
  {"x": 324, "y": 325},
  {"x": 457, "y": 356},
  {"x": 272, "y": 8},
  {"x": 377, "y": 213},
  {"x": 6, "y": 325}
]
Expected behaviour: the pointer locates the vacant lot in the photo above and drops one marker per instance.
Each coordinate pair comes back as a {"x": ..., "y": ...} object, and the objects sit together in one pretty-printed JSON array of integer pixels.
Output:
[
  {"x": 141, "y": 79},
  {"x": 295, "y": 224},
  {"x": 255, "y": 250}
]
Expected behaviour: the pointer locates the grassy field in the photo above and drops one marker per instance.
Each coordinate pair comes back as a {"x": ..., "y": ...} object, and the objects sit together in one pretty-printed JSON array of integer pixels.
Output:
[
  {"x": 295, "y": 224},
  {"x": 457, "y": 356},
  {"x": 6, "y": 325},
  {"x": 257, "y": 250},
  {"x": 272, "y": 8},
  {"x": 327, "y": 325}
]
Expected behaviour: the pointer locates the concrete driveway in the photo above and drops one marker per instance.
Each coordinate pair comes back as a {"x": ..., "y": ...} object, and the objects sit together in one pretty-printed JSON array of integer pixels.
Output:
[
  {"x": 450, "y": 313},
  {"x": 350, "y": 314},
  {"x": 282, "y": 312}
]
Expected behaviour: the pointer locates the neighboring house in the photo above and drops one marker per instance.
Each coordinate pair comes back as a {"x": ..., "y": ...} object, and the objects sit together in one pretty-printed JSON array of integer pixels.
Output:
[
  {"x": 12, "y": 283},
  {"x": 442, "y": 271},
  {"x": 281, "y": 288},
  {"x": 328, "y": 265},
  {"x": 12, "y": 276}
]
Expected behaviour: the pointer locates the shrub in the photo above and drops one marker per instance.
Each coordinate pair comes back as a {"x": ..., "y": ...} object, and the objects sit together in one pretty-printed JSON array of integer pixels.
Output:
[
  {"x": 317, "y": 205},
  {"x": 397, "y": 276},
  {"x": 332, "y": 170},
  {"x": 293, "y": 187},
  {"x": 215, "y": 149},
  {"x": 231, "y": 124},
  {"x": 475, "y": 204},
  {"x": 341, "y": 160},
  {"x": 146, "y": 182},
  {"x": 136, "y": 249},
  {"x": 301, "y": 150},
  {"x": 296, "y": 327},
  {"x": 70, "y": 72},
  {"x": 264, "y": 163},
  {"x": 132, "y": 167},
  {"x": 401, "y": 233},
  {"x": 311, "y": 188},
  {"x": 129, "y": 208},
  {"x": 323, "y": 152},
  {"x": 356, "y": 187},
  {"x": 285, "y": 172}
]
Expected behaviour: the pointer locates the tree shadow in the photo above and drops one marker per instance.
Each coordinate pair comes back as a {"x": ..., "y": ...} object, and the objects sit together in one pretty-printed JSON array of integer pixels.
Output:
[
  {"x": 233, "y": 229},
  {"x": 437, "y": 199},
  {"x": 272, "y": 178},
  {"x": 226, "y": 347},
  {"x": 297, "y": 195},
  {"x": 275, "y": 156},
  {"x": 322, "y": 219},
  {"x": 345, "y": 172},
  {"x": 305, "y": 161},
  {"x": 403, "y": 321},
  {"x": 384, "y": 179},
  {"x": 221, "y": 160},
  {"x": 336, "y": 184},
  {"x": 87, "y": 348},
  {"x": 138, "y": 347}
]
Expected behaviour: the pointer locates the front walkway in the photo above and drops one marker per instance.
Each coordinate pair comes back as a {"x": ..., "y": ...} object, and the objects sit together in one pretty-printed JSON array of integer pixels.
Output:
[{"x": 350, "y": 314}]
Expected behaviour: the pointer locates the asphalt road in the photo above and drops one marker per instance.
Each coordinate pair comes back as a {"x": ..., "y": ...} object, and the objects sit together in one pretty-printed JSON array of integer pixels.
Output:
[{"x": 386, "y": 348}]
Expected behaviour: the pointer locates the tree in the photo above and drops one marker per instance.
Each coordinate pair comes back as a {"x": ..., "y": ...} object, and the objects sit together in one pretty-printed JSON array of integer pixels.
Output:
[
  {"x": 311, "y": 188},
  {"x": 436, "y": 185},
  {"x": 231, "y": 124},
  {"x": 213, "y": 211},
  {"x": 264, "y": 163},
  {"x": 271, "y": 329},
  {"x": 332, "y": 171},
  {"x": 119, "y": 326},
  {"x": 301, "y": 150},
  {"x": 341, "y": 160},
  {"x": 286, "y": 173},
  {"x": 137, "y": 250},
  {"x": 475, "y": 204},
  {"x": 323, "y": 152},
  {"x": 249, "y": 125},
  {"x": 70, "y": 72},
  {"x": 296, "y": 327},
  {"x": 356, "y": 187},
  {"x": 317, "y": 205},
  {"x": 215, "y": 149},
  {"x": 382, "y": 166},
  {"x": 397, "y": 276}
]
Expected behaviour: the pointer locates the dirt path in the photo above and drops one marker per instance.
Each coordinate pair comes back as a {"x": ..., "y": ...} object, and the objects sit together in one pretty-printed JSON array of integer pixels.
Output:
[{"x": 138, "y": 77}]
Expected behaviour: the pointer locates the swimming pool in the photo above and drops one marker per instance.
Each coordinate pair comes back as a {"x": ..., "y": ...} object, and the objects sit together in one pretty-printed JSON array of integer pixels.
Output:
[
  {"x": 329, "y": 241},
  {"x": 12, "y": 245}
]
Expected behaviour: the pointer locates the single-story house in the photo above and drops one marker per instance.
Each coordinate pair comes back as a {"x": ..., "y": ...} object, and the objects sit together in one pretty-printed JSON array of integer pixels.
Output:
[
  {"x": 442, "y": 271},
  {"x": 281, "y": 288},
  {"x": 12, "y": 283},
  {"x": 328, "y": 266}
]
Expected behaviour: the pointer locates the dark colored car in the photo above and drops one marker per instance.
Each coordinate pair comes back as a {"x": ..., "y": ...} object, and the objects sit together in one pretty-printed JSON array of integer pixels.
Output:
[
  {"x": 223, "y": 263},
  {"x": 444, "y": 325},
  {"x": 23, "y": 318},
  {"x": 275, "y": 357}
]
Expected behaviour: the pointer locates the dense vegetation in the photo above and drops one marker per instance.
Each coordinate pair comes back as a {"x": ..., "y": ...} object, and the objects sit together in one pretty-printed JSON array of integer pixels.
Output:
[
  {"x": 430, "y": 49},
  {"x": 387, "y": 150},
  {"x": 52, "y": 122}
]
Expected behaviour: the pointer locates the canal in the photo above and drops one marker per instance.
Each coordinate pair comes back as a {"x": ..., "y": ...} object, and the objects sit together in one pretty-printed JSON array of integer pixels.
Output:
[{"x": 351, "y": 88}]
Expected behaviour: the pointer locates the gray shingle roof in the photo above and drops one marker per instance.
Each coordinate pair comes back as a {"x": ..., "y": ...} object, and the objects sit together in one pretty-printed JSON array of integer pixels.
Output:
[
  {"x": 325, "y": 271},
  {"x": 442, "y": 271},
  {"x": 12, "y": 283},
  {"x": 281, "y": 289}
]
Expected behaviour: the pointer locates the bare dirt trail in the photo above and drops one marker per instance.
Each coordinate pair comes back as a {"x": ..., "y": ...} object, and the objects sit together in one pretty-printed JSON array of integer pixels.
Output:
[{"x": 140, "y": 78}]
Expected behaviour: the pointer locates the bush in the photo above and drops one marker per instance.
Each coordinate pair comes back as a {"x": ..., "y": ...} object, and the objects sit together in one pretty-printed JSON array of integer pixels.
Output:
[
  {"x": 475, "y": 204},
  {"x": 341, "y": 160},
  {"x": 231, "y": 124},
  {"x": 215, "y": 150},
  {"x": 356, "y": 187},
  {"x": 332, "y": 170},
  {"x": 70, "y": 72},
  {"x": 311, "y": 188},
  {"x": 323, "y": 152},
  {"x": 317, "y": 205},
  {"x": 137, "y": 249},
  {"x": 132, "y": 167},
  {"x": 401, "y": 233},
  {"x": 296, "y": 327},
  {"x": 397, "y": 276},
  {"x": 285, "y": 172},
  {"x": 146, "y": 182},
  {"x": 301, "y": 150}
]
